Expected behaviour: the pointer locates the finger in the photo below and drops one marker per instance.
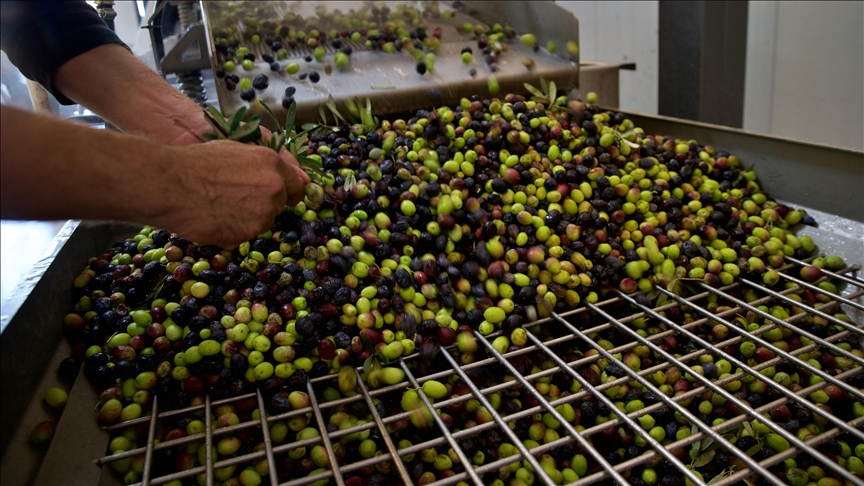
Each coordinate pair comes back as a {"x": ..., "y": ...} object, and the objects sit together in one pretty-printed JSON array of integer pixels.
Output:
[
  {"x": 293, "y": 163},
  {"x": 280, "y": 201},
  {"x": 295, "y": 192},
  {"x": 302, "y": 175}
]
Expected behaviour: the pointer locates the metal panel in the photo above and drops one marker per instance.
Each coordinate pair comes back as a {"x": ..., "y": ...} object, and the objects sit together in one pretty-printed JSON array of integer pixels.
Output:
[
  {"x": 821, "y": 177},
  {"x": 703, "y": 46},
  {"x": 390, "y": 80}
]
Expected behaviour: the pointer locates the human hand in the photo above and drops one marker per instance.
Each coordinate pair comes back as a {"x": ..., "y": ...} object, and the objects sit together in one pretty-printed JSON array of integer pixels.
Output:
[
  {"x": 226, "y": 192},
  {"x": 265, "y": 135},
  {"x": 192, "y": 135}
]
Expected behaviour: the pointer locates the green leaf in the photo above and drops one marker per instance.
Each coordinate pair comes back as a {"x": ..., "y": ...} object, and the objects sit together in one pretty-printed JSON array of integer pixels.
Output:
[
  {"x": 310, "y": 161},
  {"x": 219, "y": 131},
  {"x": 218, "y": 116},
  {"x": 749, "y": 428},
  {"x": 272, "y": 115},
  {"x": 331, "y": 104},
  {"x": 534, "y": 91},
  {"x": 716, "y": 479},
  {"x": 367, "y": 365},
  {"x": 367, "y": 343},
  {"x": 704, "y": 459},
  {"x": 211, "y": 136},
  {"x": 707, "y": 443},
  {"x": 544, "y": 86},
  {"x": 352, "y": 108},
  {"x": 307, "y": 126},
  {"x": 249, "y": 132},
  {"x": 366, "y": 116},
  {"x": 753, "y": 450},
  {"x": 553, "y": 91},
  {"x": 350, "y": 182},
  {"x": 323, "y": 114},
  {"x": 694, "y": 447},
  {"x": 237, "y": 118},
  {"x": 383, "y": 359}
]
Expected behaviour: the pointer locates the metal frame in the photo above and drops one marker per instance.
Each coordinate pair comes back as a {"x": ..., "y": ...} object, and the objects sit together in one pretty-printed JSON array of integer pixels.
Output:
[
  {"x": 411, "y": 91},
  {"x": 536, "y": 344}
]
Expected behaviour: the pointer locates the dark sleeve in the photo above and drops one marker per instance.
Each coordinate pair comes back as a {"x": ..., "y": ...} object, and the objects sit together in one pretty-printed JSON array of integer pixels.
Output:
[{"x": 41, "y": 36}]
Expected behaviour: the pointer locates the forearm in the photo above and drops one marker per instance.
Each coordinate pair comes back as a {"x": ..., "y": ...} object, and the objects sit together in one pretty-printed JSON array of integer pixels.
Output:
[
  {"x": 54, "y": 169},
  {"x": 111, "y": 82}
]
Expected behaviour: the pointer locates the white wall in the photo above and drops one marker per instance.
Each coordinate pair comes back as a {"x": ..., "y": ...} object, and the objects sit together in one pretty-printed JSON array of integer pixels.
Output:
[
  {"x": 805, "y": 71},
  {"x": 619, "y": 32}
]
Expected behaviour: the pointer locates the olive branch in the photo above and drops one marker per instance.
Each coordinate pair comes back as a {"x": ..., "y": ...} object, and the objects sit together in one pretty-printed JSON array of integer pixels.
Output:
[{"x": 547, "y": 94}]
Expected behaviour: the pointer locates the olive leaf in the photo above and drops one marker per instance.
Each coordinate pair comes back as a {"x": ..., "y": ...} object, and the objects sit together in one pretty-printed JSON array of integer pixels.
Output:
[
  {"x": 367, "y": 343},
  {"x": 289, "y": 119},
  {"x": 753, "y": 450},
  {"x": 703, "y": 460},
  {"x": 708, "y": 442},
  {"x": 322, "y": 114},
  {"x": 723, "y": 474},
  {"x": 383, "y": 359},
  {"x": 367, "y": 365},
  {"x": 331, "y": 105},
  {"x": 534, "y": 91},
  {"x": 250, "y": 132},
  {"x": 749, "y": 428},
  {"x": 352, "y": 107},
  {"x": 217, "y": 117},
  {"x": 350, "y": 182},
  {"x": 238, "y": 117},
  {"x": 544, "y": 86},
  {"x": 553, "y": 92},
  {"x": 156, "y": 290},
  {"x": 272, "y": 115}
]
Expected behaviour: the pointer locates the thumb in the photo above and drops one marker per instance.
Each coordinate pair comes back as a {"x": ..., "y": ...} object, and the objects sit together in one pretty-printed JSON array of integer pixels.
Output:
[{"x": 294, "y": 164}]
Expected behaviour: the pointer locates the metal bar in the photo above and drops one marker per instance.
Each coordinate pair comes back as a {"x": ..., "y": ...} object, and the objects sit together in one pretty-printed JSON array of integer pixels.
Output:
[
  {"x": 647, "y": 456},
  {"x": 662, "y": 396},
  {"x": 782, "y": 456},
  {"x": 840, "y": 276},
  {"x": 525, "y": 454},
  {"x": 816, "y": 288},
  {"x": 485, "y": 391},
  {"x": 148, "y": 454},
  {"x": 572, "y": 431},
  {"x": 208, "y": 440},
  {"x": 813, "y": 408},
  {"x": 459, "y": 452},
  {"x": 322, "y": 427},
  {"x": 775, "y": 349},
  {"x": 543, "y": 347},
  {"x": 812, "y": 310},
  {"x": 796, "y": 330},
  {"x": 397, "y": 460},
  {"x": 268, "y": 445},
  {"x": 179, "y": 411},
  {"x": 779, "y": 430}
]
